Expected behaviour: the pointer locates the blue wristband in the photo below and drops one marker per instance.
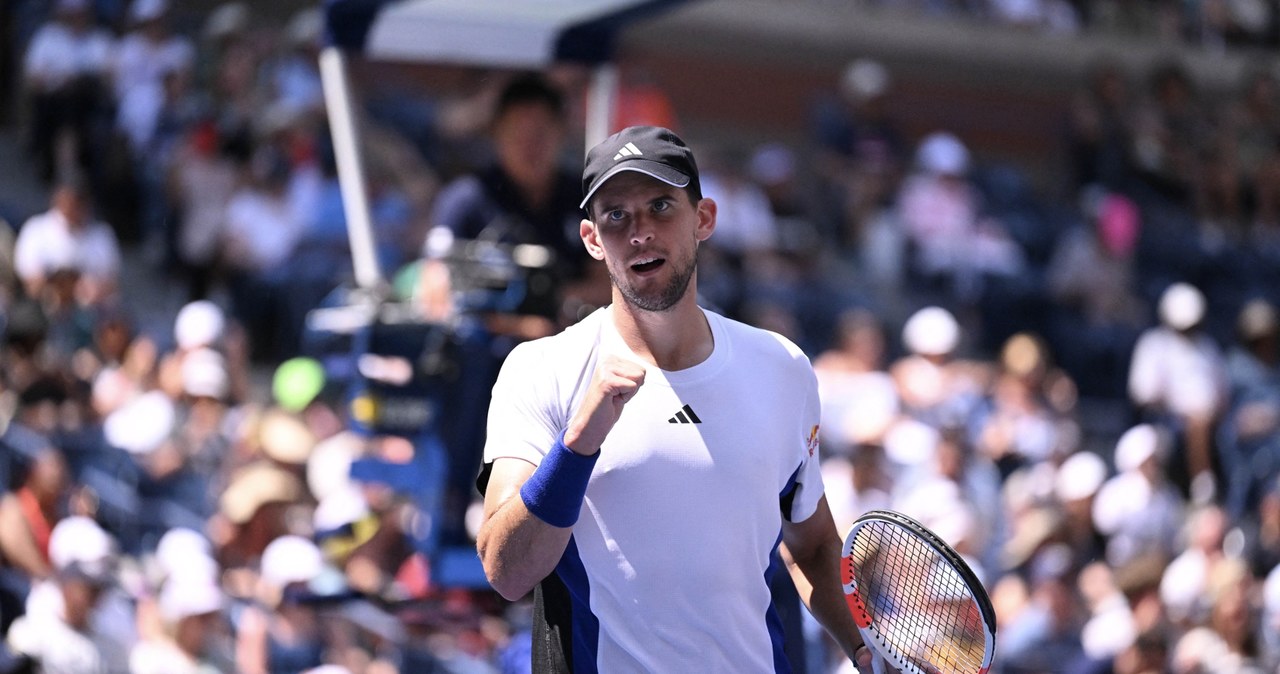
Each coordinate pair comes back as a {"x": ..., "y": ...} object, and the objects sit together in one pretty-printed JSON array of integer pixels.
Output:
[{"x": 555, "y": 491}]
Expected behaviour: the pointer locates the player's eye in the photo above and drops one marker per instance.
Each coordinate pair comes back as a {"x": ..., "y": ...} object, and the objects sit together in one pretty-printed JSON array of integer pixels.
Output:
[
  {"x": 617, "y": 215},
  {"x": 661, "y": 205}
]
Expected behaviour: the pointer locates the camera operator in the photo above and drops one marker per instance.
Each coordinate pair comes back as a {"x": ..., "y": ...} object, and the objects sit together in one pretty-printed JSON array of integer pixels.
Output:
[{"x": 523, "y": 200}]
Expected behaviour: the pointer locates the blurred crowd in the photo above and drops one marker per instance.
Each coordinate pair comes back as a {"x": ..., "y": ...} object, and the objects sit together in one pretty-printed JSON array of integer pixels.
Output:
[
  {"x": 1212, "y": 24},
  {"x": 1081, "y": 395}
]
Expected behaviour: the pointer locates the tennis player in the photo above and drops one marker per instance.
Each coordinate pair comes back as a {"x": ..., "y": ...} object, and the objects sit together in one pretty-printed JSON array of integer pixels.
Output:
[{"x": 650, "y": 468}]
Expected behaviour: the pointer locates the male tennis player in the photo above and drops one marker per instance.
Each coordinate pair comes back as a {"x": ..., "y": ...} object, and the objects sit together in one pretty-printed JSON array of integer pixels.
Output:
[{"x": 647, "y": 468}]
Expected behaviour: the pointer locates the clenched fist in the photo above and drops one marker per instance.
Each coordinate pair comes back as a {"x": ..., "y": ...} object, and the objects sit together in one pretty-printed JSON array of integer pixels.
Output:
[{"x": 613, "y": 384}]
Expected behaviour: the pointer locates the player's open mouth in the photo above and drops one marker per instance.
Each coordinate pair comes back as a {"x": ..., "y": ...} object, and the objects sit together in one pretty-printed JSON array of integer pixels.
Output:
[{"x": 648, "y": 265}]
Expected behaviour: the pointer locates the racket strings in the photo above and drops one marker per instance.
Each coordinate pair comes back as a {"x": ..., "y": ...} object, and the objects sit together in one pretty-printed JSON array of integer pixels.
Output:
[{"x": 918, "y": 602}]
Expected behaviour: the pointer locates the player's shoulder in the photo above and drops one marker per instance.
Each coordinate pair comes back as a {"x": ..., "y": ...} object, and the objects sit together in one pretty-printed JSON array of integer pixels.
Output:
[
  {"x": 755, "y": 342},
  {"x": 576, "y": 341}
]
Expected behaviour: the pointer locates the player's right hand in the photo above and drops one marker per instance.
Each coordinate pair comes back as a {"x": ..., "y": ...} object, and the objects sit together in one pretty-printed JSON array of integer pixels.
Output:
[{"x": 614, "y": 383}]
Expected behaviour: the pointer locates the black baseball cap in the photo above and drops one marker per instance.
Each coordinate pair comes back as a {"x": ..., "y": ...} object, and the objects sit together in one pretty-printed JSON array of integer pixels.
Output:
[{"x": 651, "y": 150}]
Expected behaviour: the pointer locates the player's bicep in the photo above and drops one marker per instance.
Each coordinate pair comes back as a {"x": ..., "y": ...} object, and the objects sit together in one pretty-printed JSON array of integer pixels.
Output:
[{"x": 811, "y": 536}]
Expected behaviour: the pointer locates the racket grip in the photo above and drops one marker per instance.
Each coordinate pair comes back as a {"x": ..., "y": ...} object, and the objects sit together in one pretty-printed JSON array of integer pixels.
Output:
[{"x": 877, "y": 662}]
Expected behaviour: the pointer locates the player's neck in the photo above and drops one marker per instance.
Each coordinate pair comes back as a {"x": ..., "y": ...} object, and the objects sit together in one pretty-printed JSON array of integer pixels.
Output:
[{"x": 676, "y": 339}]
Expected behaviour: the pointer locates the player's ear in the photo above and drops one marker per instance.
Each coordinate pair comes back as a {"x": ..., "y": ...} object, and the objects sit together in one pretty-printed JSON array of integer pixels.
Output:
[
  {"x": 591, "y": 239},
  {"x": 706, "y": 218}
]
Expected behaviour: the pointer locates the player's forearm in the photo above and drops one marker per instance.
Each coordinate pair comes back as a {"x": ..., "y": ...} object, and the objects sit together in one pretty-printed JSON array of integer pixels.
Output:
[{"x": 518, "y": 550}]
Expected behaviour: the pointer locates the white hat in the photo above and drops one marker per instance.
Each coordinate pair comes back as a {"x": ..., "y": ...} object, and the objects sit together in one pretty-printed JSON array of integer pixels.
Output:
[
  {"x": 931, "y": 331},
  {"x": 1080, "y": 476},
  {"x": 864, "y": 78},
  {"x": 941, "y": 152},
  {"x": 142, "y": 424},
  {"x": 199, "y": 323},
  {"x": 147, "y": 10},
  {"x": 78, "y": 544},
  {"x": 339, "y": 509},
  {"x": 186, "y": 598},
  {"x": 910, "y": 442},
  {"x": 178, "y": 546},
  {"x": 1181, "y": 306},
  {"x": 1136, "y": 446},
  {"x": 329, "y": 465},
  {"x": 1108, "y": 633},
  {"x": 204, "y": 374},
  {"x": 291, "y": 559}
]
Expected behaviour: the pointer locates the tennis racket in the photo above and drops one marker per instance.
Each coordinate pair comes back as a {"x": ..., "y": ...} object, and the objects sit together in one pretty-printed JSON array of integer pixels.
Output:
[{"x": 917, "y": 603}]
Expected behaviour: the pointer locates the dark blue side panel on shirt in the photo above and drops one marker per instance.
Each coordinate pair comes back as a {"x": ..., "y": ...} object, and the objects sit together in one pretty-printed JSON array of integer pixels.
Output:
[{"x": 586, "y": 626}]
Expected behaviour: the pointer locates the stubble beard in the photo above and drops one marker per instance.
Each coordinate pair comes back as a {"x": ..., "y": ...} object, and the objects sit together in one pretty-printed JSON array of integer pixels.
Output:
[{"x": 663, "y": 299}]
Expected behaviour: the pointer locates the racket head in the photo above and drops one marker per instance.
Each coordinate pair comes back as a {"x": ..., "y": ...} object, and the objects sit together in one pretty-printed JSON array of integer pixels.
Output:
[{"x": 915, "y": 600}]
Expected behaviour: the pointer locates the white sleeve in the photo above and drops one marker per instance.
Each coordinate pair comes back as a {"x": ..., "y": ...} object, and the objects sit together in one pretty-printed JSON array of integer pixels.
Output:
[
  {"x": 523, "y": 419},
  {"x": 808, "y": 489}
]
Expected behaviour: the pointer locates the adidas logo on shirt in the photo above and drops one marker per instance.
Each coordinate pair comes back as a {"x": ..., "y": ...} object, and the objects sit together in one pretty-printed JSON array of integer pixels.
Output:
[
  {"x": 628, "y": 150},
  {"x": 685, "y": 415}
]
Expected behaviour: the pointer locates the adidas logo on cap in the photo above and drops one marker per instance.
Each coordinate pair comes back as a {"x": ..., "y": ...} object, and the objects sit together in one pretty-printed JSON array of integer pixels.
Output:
[{"x": 628, "y": 150}]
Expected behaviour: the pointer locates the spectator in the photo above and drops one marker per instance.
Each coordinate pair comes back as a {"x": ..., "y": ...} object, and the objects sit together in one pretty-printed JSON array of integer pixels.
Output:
[
  {"x": 1169, "y": 129},
  {"x": 1177, "y": 379},
  {"x": 28, "y": 516},
  {"x": 1021, "y": 420},
  {"x": 1045, "y": 635},
  {"x": 1138, "y": 510},
  {"x": 66, "y": 77},
  {"x": 1076, "y": 485},
  {"x": 201, "y": 181},
  {"x": 1227, "y": 639},
  {"x": 1092, "y": 276},
  {"x": 281, "y": 632},
  {"x": 295, "y": 78},
  {"x": 861, "y": 150},
  {"x": 191, "y": 611},
  {"x": 66, "y": 237},
  {"x": 933, "y": 384},
  {"x": 262, "y": 230},
  {"x": 859, "y": 398},
  {"x": 954, "y": 244},
  {"x": 1247, "y": 441},
  {"x": 748, "y": 226},
  {"x": 1186, "y": 588},
  {"x": 150, "y": 49},
  {"x": 75, "y": 622},
  {"x": 1100, "y": 128}
]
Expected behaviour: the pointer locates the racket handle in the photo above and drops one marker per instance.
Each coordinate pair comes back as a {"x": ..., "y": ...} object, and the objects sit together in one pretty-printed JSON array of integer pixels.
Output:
[{"x": 877, "y": 662}]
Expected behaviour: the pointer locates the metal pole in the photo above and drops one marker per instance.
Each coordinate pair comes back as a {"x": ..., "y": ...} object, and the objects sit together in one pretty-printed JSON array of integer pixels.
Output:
[
  {"x": 351, "y": 180},
  {"x": 601, "y": 98}
]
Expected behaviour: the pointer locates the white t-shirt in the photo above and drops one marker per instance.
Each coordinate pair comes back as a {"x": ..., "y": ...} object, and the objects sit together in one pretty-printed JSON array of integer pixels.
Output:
[
  {"x": 141, "y": 61},
  {"x": 57, "y": 54},
  {"x": 265, "y": 228},
  {"x": 47, "y": 243},
  {"x": 669, "y": 560},
  {"x": 1183, "y": 373}
]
